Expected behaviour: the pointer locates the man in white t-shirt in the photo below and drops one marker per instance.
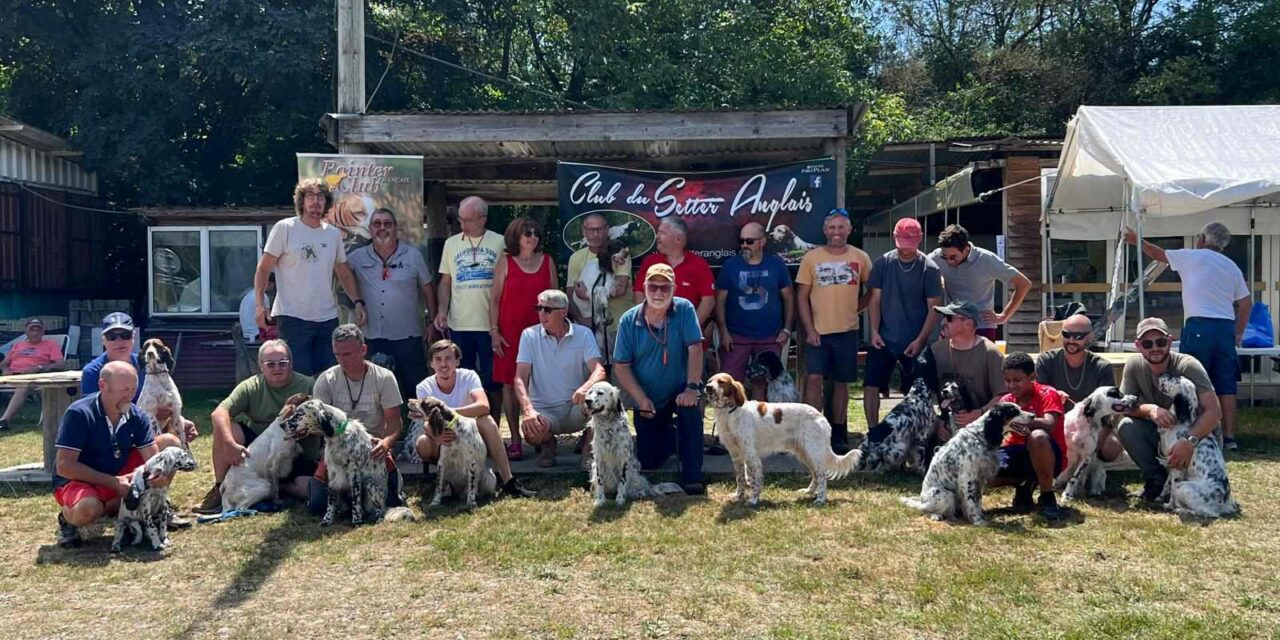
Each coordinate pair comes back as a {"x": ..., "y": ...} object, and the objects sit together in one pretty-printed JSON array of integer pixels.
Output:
[
  {"x": 460, "y": 390},
  {"x": 1215, "y": 303},
  {"x": 306, "y": 253}
]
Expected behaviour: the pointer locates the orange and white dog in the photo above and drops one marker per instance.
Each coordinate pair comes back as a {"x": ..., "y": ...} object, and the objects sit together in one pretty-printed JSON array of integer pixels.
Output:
[{"x": 751, "y": 430}]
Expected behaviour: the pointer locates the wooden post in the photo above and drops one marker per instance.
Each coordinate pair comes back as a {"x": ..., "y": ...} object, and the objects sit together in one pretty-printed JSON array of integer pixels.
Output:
[{"x": 351, "y": 95}]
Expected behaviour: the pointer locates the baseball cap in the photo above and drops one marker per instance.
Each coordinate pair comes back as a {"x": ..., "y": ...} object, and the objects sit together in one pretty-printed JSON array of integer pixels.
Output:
[
  {"x": 35, "y": 322},
  {"x": 1152, "y": 324},
  {"x": 960, "y": 308},
  {"x": 907, "y": 234},
  {"x": 117, "y": 320},
  {"x": 660, "y": 270}
]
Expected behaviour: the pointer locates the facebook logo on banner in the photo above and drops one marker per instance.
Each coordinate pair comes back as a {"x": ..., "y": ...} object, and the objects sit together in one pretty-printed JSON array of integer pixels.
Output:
[{"x": 815, "y": 182}]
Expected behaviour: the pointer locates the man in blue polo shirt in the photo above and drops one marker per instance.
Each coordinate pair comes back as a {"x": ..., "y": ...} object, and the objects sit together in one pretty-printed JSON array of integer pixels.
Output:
[
  {"x": 658, "y": 360},
  {"x": 103, "y": 437}
]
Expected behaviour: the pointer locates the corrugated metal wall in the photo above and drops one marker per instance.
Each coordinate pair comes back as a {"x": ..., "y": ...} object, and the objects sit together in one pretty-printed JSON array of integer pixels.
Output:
[{"x": 21, "y": 163}]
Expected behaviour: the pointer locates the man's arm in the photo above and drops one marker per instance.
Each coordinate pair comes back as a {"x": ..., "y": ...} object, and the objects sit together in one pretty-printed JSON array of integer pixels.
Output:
[
  {"x": 873, "y": 318},
  {"x": 1153, "y": 251},
  {"x": 261, "y": 275},
  {"x": 1021, "y": 286},
  {"x": 445, "y": 289},
  {"x": 628, "y": 382},
  {"x": 806, "y": 314},
  {"x": 725, "y": 339},
  {"x": 523, "y": 371},
  {"x": 930, "y": 323},
  {"x": 429, "y": 299},
  {"x": 1243, "y": 306},
  {"x": 788, "y": 308},
  {"x": 705, "y": 306},
  {"x": 348, "y": 281}
]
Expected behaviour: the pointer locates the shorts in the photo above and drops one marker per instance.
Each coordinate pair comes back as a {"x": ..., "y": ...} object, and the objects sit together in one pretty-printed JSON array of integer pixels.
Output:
[
  {"x": 74, "y": 491},
  {"x": 1015, "y": 462},
  {"x": 564, "y": 418},
  {"x": 1212, "y": 341},
  {"x": 882, "y": 362},
  {"x": 734, "y": 362},
  {"x": 836, "y": 357},
  {"x": 477, "y": 355}
]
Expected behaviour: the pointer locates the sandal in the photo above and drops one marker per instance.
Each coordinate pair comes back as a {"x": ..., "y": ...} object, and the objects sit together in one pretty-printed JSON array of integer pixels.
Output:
[{"x": 515, "y": 452}]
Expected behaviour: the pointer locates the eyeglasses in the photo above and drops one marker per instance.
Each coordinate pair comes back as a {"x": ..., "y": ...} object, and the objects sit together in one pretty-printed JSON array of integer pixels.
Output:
[
  {"x": 593, "y": 229},
  {"x": 658, "y": 288},
  {"x": 953, "y": 318},
  {"x": 1076, "y": 335},
  {"x": 276, "y": 364},
  {"x": 544, "y": 309},
  {"x": 1157, "y": 343},
  {"x": 748, "y": 240},
  {"x": 116, "y": 336},
  {"x": 530, "y": 233},
  {"x": 382, "y": 223}
]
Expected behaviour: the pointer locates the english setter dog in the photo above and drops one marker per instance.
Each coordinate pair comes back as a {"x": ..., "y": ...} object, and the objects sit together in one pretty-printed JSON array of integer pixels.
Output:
[
  {"x": 1202, "y": 489},
  {"x": 1082, "y": 426},
  {"x": 159, "y": 389},
  {"x": 964, "y": 465},
  {"x": 354, "y": 475},
  {"x": 766, "y": 367},
  {"x": 751, "y": 430},
  {"x": 614, "y": 467},
  {"x": 901, "y": 440},
  {"x": 786, "y": 238},
  {"x": 145, "y": 509},
  {"x": 461, "y": 469},
  {"x": 270, "y": 458},
  {"x": 598, "y": 278}
]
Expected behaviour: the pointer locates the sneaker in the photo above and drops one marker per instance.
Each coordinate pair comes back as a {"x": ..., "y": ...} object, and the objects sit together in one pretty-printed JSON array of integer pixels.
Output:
[
  {"x": 68, "y": 535},
  {"x": 1049, "y": 506},
  {"x": 1150, "y": 493},
  {"x": 211, "y": 505},
  {"x": 178, "y": 523},
  {"x": 515, "y": 452},
  {"x": 1022, "y": 498},
  {"x": 513, "y": 489},
  {"x": 840, "y": 439},
  {"x": 4, "y": 425},
  {"x": 547, "y": 455},
  {"x": 1230, "y": 444},
  {"x": 694, "y": 489}
]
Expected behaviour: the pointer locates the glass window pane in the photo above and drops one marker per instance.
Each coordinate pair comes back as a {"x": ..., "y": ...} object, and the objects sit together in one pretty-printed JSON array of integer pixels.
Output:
[
  {"x": 175, "y": 271},
  {"x": 1080, "y": 261},
  {"x": 1238, "y": 251},
  {"x": 233, "y": 256}
]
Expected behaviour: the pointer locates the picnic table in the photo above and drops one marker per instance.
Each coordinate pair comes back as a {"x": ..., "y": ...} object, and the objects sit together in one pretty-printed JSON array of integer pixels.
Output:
[{"x": 58, "y": 389}]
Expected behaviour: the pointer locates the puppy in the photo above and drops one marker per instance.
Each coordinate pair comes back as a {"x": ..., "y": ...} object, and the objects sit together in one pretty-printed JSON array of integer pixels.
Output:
[
  {"x": 963, "y": 466},
  {"x": 1082, "y": 426},
  {"x": 354, "y": 475},
  {"x": 766, "y": 367},
  {"x": 1202, "y": 489},
  {"x": 901, "y": 439},
  {"x": 751, "y": 430},
  {"x": 462, "y": 469},
  {"x": 614, "y": 467},
  {"x": 145, "y": 509},
  {"x": 270, "y": 458},
  {"x": 159, "y": 389}
]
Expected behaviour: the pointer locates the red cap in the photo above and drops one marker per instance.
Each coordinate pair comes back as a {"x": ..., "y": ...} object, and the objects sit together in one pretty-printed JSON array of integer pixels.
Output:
[{"x": 907, "y": 234}]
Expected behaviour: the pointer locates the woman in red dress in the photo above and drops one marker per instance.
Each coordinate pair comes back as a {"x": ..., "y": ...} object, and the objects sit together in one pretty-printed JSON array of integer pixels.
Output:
[{"x": 517, "y": 280}]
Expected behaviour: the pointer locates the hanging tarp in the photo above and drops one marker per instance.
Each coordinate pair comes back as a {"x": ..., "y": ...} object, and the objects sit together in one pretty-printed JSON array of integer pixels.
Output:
[{"x": 952, "y": 192}]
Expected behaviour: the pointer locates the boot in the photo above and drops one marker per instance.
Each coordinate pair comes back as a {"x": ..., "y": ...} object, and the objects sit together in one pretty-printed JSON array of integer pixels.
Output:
[{"x": 840, "y": 438}]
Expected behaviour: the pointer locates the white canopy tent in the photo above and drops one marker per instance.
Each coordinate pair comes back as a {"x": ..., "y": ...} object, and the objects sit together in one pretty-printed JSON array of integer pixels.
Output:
[{"x": 1165, "y": 171}]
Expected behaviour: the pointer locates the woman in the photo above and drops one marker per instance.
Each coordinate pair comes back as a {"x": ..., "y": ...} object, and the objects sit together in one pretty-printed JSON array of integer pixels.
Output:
[{"x": 517, "y": 280}]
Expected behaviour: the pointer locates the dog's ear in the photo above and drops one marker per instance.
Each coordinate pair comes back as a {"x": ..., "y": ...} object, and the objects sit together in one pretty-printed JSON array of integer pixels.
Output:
[
  {"x": 1182, "y": 408},
  {"x": 993, "y": 428},
  {"x": 293, "y": 403},
  {"x": 166, "y": 356},
  {"x": 139, "y": 486},
  {"x": 617, "y": 402},
  {"x": 324, "y": 420},
  {"x": 1089, "y": 407},
  {"x": 739, "y": 393}
]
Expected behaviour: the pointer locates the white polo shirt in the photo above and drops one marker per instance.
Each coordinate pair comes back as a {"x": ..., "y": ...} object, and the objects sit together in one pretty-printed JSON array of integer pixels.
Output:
[{"x": 559, "y": 366}]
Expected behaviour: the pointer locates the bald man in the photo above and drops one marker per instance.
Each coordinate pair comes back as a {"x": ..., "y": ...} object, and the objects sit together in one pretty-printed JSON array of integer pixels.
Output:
[
  {"x": 755, "y": 306},
  {"x": 1076, "y": 372},
  {"x": 103, "y": 437}
]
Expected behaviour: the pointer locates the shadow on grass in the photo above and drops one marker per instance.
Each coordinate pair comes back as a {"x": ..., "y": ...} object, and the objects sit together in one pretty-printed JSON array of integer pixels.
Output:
[
  {"x": 609, "y": 511},
  {"x": 20, "y": 490}
]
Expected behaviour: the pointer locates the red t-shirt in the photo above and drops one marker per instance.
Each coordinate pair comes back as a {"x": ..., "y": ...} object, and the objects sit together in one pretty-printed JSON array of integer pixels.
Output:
[
  {"x": 693, "y": 276},
  {"x": 24, "y": 356},
  {"x": 1045, "y": 400}
]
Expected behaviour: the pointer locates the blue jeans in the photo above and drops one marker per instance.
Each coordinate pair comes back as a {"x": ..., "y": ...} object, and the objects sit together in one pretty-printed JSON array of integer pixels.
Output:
[
  {"x": 1212, "y": 341},
  {"x": 477, "y": 355},
  {"x": 660, "y": 436},
  {"x": 310, "y": 342}
]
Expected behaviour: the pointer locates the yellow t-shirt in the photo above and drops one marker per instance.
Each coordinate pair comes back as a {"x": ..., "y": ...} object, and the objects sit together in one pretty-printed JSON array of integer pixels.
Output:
[
  {"x": 835, "y": 283},
  {"x": 617, "y": 304},
  {"x": 470, "y": 264}
]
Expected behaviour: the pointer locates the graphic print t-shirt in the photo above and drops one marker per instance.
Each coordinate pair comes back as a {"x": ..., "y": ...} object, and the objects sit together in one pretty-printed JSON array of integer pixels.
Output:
[
  {"x": 835, "y": 283},
  {"x": 470, "y": 263},
  {"x": 304, "y": 272},
  {"x": 753, "y": 305}
]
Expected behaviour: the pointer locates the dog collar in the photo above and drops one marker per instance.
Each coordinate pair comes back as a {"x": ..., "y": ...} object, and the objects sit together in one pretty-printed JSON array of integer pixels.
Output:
[
  {"x": 342, "y": 428},
  {"x": 452, "y": 423},
  {"x": 735, "y": 408}
]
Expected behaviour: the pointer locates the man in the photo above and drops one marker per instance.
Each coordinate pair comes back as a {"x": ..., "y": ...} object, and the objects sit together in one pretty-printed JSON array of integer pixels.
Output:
[
  {"x": 970, "y": 273},
  {"x": 368, "y": 393},
  {"x": 248, "y": 325},
  {"x": 829, "y": 289},
  {"x": 1076, "y": 372},
  {"x": 694, "y": 281},
  {"x": 391, "y": 274},
  {"x": 33, "y": 355},
  {"x": 658, "y": 361},
  {"x": 102, "y": 438},
  {"x": 117, "y": 346},
  {"x": 595, "y": 230},
  {"x": 1032, "y": 454},
  {"x": 968, "y": 358},
  {"x": 306, "y": 253},
  {"x": 1140, "y": 432},
  {"x": 905, "y": 286},
  {"x": 755, "y": 307},
  {"x": 466, "y": 281},
  {"x": 557, "y": 363},
  {"x": 253, "y": 405},
  {"x": 1216, "y": 303}
]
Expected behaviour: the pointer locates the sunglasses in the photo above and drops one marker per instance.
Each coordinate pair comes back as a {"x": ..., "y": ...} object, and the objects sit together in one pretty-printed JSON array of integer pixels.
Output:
[
  {"x": 1157, "y": 343},
  {"x": 1076, "y": 335},
  {"x": 545, "y": 309},
  {"x": 530, "y": 233},
  {"x": 840, "y": 211},
  {"x": 954, "y": 318},
  {"x": 274, "y": 364},
  {"x": 658, "y": 288},
  {"x": 115, "y": 336},
  {"x": 748, "y": 240}
]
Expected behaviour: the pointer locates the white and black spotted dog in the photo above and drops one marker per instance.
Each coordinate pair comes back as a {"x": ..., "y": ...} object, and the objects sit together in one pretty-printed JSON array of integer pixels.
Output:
[
  {"x": 599, "y": 278},
  {"x": 270, "y": 458},
  {"x": 751, "y": 430},
  {"x": 961, "y": 469},
  {"x": 1202, "y": 489},
  {"x": 159, "y": 389},
  {"x": 461, "y": 469},
  {"x": 354, "y": 475},
  {"x": 614, "y": 466},
  {"x": 766, "y": 367},
  {"x": 785, "y": 237},
  {"x": 145, "y": 510},
  {"x": 1082, "y": 427},
  {"x": 901, "y": 440}
]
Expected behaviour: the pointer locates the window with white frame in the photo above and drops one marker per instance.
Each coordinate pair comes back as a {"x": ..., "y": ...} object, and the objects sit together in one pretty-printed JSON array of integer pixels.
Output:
[{"x": 201, "y": 270}]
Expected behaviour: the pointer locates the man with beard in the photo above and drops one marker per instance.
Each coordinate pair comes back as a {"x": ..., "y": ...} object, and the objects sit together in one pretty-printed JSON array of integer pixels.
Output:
[
  {"x": 1076, "y": 372},
  {"x": 1140, "y": 432},
  {"x": 755, "y": 306}
]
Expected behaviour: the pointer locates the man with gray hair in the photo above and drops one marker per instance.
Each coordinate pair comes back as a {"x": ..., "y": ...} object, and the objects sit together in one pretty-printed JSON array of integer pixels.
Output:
[
  {"x": 694, "y": 281},
  {"x": 557, "y": 363},
  {"x": 1215, "y": 305}
]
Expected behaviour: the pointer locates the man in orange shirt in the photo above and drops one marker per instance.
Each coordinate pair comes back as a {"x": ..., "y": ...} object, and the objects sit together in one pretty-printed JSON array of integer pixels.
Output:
[{"x": 33, "y": 355}]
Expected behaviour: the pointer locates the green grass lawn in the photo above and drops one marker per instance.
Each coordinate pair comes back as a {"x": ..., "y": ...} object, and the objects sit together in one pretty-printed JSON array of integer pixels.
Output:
[{"x": 553, "y": 567}]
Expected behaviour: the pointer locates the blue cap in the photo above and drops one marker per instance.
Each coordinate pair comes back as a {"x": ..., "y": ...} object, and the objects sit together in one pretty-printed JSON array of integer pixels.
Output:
[{"x": 117, "y": 320}]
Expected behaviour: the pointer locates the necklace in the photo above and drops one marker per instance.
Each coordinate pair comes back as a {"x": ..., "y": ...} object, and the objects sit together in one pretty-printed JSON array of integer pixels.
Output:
[
  {"x": 475, "y": 262},
  {"x": 908, "y": 269},
  {"x": 356, "y": 398},
  {"x": 1067, "y": 369}
]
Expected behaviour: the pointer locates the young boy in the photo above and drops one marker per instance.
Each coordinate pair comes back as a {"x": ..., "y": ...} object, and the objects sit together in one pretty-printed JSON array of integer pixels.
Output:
[{"x": 1034, "y": 452}]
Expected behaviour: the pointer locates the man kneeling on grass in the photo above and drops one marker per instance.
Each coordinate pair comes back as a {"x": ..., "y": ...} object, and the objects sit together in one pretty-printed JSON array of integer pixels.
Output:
[
  {"x": 103, "y": 437},
  {"x": 1034, "y": 453}
]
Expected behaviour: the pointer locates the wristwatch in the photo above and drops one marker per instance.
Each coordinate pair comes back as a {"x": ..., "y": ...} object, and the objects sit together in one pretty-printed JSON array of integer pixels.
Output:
[
  {"x": 693, "y": 386},
  {"x": 1193, "y": 440}
]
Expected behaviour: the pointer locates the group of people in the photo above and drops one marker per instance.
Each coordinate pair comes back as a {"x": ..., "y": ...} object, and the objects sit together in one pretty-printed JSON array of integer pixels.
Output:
[{"x": 516, "y": 345}]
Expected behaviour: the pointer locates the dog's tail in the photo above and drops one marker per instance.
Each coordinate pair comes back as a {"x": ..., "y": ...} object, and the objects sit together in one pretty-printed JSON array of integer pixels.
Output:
[
  {"x": 914, "y": 503},
  {"x": 839, "y": 466}
]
